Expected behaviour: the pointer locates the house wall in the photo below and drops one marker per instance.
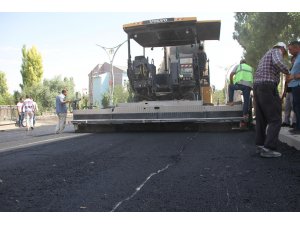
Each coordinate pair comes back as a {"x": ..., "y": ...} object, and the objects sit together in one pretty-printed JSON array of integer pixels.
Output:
[
  {"x": 99, "y": 82},
  {"x": 100, "y": 86}
]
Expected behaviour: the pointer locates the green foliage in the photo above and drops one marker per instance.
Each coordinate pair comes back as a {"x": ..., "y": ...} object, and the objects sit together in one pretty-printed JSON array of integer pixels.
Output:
[
  {"x": 16, "y": 97},
  {"x": 5, "y": 97},
  {"x": 121, "y": 95},
  {"x": 57, "y": 84},
  {"x": 105, "y": 100},
  {"x": 84, "y": 103},
  {"x": 45, "y": 94},
  {"x": 218, "y": 97},
  {"x": 257, "y": 32},
  {"x": 31, "y": 68},
  {"x": 3, "y": 84}
]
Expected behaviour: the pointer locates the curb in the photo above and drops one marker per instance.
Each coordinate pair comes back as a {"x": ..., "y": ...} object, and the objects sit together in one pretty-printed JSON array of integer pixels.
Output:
[
  {"x": 292, "y": 140},
  {"x": 7, "y": 123}
]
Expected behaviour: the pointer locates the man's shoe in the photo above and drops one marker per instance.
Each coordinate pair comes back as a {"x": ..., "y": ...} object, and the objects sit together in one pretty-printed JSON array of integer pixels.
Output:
[
  {"x": 258, "y": 148},
  {"x": 293, "y": 125},
  {"x": 268, "y": 153},
  {"x": 285, "y": 125}
]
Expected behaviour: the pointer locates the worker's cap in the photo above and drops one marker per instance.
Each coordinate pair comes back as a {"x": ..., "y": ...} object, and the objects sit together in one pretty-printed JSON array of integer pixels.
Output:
[{"x": 281, "y": 44}]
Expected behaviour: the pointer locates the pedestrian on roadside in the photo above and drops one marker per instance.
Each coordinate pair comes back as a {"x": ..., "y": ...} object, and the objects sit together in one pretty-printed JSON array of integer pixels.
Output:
[
  {"x": 27, "y": 108},
  {"x": 35, "y": 110},
  {"x": 289, "y": 119},
  {"x": 61, "y": 111},
  {"x": 20, "y": 112},
  {"x": 294, "y": 49},
  {"x": 268, "y": 103},
  {"x": 241, "y": 78}
]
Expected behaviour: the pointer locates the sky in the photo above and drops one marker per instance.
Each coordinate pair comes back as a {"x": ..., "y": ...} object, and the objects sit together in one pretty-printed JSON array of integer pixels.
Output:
[{"x": 68, "y": 42}]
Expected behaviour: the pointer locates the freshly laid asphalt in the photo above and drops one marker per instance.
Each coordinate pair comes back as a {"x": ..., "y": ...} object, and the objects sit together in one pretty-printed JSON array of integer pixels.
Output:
[
  {"x": 144, "y": 171},
  {"x": 285, "y": 136}
]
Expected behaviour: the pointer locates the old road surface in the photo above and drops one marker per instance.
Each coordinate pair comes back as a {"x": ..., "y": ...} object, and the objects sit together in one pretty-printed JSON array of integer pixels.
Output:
[{"x": 144, "y": 171}]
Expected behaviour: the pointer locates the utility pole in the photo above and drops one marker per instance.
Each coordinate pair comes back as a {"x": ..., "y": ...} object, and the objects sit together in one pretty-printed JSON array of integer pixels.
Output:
[{"x": 111, "y": 53}]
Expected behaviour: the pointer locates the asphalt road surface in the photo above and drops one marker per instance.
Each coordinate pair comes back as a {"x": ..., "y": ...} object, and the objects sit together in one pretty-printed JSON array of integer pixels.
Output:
[{"x": 144, "y": 171}]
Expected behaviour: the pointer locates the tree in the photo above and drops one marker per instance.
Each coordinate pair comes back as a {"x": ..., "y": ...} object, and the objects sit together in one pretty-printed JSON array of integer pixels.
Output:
[
  {"x": 5, "y": 97},
  {"x": 84, "y": 102},
  {"x": 105, "y": 100},
  {"x": 57, "y": 84},
  {"x": 257, "y": 32},
  {"x": 45, "y": 94},
  {"x": 218, "y": 97},
  {"x": 121, "y": 95},
  {"x": 53, "y": 87},
  {"x": 16, "y": 96},
  {"x": 3, "y": 84},
  {"x": 32, "y": 67}
]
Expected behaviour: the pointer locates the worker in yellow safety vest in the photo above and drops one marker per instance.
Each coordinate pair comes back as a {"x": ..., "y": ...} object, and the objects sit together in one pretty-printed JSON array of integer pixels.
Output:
[{"x": 241, "y": 78}]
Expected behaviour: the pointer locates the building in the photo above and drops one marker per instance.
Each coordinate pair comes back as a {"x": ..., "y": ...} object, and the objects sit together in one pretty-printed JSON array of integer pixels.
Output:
[{"x": 99, "y": 81}]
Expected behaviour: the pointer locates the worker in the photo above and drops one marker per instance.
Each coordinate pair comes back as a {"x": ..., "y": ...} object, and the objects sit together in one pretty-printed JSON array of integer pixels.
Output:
[
  {"x": 268, "y": 103},
  {"x": 200, "y": 58},
  {"x": 241, "y": 78},
  {"x": 61, "y": 111}
]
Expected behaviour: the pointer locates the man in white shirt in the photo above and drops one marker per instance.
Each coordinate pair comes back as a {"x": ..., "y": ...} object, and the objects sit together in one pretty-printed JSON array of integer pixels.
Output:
[
  {"x": 28, "y": 110},
  {"x": 20, "y": 113}
]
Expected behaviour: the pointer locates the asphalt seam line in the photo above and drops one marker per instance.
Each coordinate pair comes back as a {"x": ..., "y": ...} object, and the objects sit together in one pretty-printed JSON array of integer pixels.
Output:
[
  {"x": 181, "y": 149},
  {"x": 140, "y": 187}
]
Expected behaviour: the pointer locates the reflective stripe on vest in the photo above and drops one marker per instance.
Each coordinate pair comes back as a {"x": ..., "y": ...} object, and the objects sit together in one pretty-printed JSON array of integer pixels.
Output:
[{"x": 243, "y": 73}]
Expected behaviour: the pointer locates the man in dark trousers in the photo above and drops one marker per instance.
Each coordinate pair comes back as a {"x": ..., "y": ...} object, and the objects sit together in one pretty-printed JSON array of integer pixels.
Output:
[
  {"x": 268, "y": 103},
  {"x": 201, "y": 59},
  {"x": 241, "y": 78}
]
